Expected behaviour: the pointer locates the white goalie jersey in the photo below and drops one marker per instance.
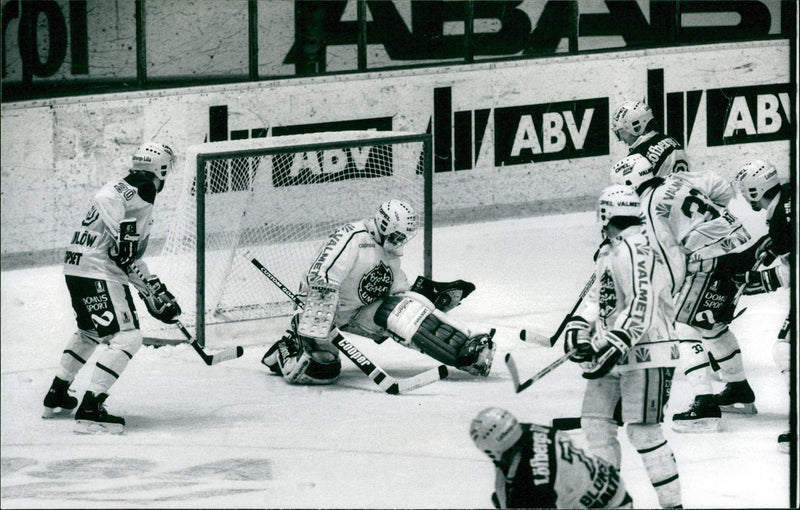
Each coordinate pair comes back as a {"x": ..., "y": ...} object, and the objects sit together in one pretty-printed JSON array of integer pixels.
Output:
[
  {"x": 683, "y": 221},
  {"x": 631, "y": 293},
  {"x": 359, "y": 267}
]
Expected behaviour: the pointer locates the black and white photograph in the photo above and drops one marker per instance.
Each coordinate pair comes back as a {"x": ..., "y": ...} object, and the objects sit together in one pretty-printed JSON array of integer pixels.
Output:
[{"x": 399, "y": 254}]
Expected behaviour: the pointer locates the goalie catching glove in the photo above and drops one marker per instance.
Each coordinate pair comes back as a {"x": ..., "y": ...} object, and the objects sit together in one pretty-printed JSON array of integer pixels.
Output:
[
  {"x": 124, "y": 252},
  {"x": 159, "y": 301},
  {"x": 606, "y": 353},
  {"x": 444, "y": 295}
]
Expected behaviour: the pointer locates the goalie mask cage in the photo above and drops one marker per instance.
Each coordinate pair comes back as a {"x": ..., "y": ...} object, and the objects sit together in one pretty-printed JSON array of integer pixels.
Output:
[{"x": 277, "y": 199}]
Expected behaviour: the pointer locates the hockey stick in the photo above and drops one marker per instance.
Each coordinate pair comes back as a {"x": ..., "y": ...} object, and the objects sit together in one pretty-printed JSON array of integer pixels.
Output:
[
  {"x": 386, "y": 382},
  {"x": 526, "y": 336},
  {"x": 209, "y": 359},
  {"x": 514, "y": 371}
]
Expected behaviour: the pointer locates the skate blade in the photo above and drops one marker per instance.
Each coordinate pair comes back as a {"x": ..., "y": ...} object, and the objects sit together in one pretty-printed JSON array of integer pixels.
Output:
[
  {"x": 55, "y": 412},
  {"x": 93, "y": 427},
  {"x": 698, "y": 426},
  {"x": 739, "y": 408}
]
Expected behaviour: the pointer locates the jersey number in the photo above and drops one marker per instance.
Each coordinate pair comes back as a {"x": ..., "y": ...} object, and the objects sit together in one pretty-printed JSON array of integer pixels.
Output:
[{"x": 697, "y": 203}]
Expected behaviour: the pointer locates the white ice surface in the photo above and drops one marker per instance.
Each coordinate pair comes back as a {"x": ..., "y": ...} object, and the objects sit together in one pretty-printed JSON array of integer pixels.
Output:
[{"x": 231, "y": 435}]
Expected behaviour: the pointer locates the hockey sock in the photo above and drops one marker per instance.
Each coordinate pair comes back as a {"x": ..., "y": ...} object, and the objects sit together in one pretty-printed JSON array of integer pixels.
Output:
[
  {"x": 601, "y": 437},
  {"x": 724, "y": 347},
  {"x": 694, "y": 361},
  {"x": 112, "y": 362},
  {"x": 659, "y": 462},
  {"x": 77, "y": 351}
]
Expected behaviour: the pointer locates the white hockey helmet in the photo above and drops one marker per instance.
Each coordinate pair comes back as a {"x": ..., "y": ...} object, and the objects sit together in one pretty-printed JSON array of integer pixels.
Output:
[
  {"x": 396, "y": 222},
  {"x": 153, "y": 157},
  {"x": 617, "y": 200},
  {"x": 494, "y": 431},
  {"x": 632, "y": 118},
  {"x": 756, "y": 178},
  {"x": 633, "y": 170}
]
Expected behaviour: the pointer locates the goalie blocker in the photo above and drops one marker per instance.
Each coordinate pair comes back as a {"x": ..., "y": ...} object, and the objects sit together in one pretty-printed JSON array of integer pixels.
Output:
[{"x": 414, "y": 322}]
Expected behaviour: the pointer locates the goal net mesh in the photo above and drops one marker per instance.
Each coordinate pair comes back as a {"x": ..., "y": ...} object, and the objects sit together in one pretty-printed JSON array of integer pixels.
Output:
[{"x": 277, "y": 199}]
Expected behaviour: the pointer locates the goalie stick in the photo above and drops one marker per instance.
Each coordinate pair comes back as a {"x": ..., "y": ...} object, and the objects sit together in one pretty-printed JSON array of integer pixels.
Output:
[
  {"x": 514, "y": 371},
  {"x": 209, "y": 359},
  {"x": 387, "y": 383},
  {"x": 530, "y": 336}
]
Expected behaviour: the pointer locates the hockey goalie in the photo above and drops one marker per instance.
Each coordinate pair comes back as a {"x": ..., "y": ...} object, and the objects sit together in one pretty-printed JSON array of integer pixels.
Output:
[{"x": 356, "y": 285}]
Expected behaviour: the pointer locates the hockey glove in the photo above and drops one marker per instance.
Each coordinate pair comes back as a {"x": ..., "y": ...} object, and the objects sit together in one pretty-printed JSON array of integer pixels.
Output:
[
  {"x": 160, "y": 302},
  {"x": 578, "y": 338},
  {"x": 444, "y": 295},
  {"x": 758, "y": 282},
  {"x": 607, "y": 353},
  {"x": 125, "y": 251},
  {"x": 768, "y": 251}
]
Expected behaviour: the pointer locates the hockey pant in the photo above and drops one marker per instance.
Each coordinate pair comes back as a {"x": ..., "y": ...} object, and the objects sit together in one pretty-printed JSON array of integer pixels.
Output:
[{"x": 105, "y": 313}]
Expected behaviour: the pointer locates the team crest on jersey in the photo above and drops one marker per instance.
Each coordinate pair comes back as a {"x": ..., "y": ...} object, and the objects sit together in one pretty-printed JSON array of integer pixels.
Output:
[
  {"x": 375, "y": 283},
  {"x": 608, "y": 297}
]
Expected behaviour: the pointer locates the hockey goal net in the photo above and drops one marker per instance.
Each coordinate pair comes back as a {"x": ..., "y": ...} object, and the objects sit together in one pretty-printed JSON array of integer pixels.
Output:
[{"x": 277, "y": 199}]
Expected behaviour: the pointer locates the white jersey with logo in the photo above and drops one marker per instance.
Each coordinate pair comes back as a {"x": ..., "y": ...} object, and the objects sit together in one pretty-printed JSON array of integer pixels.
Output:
[
  {"x": 87, "y": 253},
  {"x": 363, "y": 271},
  {"x": 632, "y": 293},
  {"x": 682, "y": 221}
]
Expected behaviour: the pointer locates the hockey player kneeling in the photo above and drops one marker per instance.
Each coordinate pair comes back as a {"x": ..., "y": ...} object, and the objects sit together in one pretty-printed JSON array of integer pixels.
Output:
[
  {"x": 357, "y": 285},
  {"x": 540, "y": 467}
]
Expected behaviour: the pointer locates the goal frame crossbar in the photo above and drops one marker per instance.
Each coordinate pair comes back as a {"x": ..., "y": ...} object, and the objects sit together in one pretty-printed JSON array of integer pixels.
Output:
[{"x": 200, "y": 175}]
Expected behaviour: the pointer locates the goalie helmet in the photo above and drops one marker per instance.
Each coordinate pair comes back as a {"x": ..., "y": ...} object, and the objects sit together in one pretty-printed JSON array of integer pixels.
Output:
[
  {"x": 396, "y": 222},
  {"x": 632, "y": 118},
  {"x": 494, "y": 431},
  {"x": 617, "y": 200},
  {"x": 756, "y": 178},
  {"x": 155, "y": 158},
  {"x": 632, "y": 171}
]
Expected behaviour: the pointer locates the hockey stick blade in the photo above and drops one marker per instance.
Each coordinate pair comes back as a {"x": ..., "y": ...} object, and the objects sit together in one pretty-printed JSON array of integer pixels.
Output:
[
  {"x": 386, "y": 382},
  {"x": 514, "y": 371},
  {"x": 217, "y": 357},
  {"x": 534, "y": 337},
  {"x": 209, "y": 359}
]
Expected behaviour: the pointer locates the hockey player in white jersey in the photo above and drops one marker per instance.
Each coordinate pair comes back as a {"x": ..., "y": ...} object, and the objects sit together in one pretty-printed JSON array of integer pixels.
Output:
[
  {"x": 622, "y": 336},
  {"x": 113, "y": 235},
  {"x": 698, "y": 238},
  {"x": 356, "y": 285},
  {"x": 759, "y": 184},
  {"x": 634, "y": 125},
  {"x": 540, "y": 467}
]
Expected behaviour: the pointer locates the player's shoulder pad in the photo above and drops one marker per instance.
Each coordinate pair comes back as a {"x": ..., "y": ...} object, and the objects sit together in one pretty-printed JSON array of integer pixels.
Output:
[{"x": 144, "y": 185}]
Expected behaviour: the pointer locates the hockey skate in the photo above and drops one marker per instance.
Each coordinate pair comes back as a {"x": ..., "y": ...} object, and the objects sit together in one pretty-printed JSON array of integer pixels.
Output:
[
  {"x": 477, "y": 355},
  {"x": 736, "y": 397},
  {"x": 58, "y": 400},
  {"x": 92, "y": 417},
  {"x": 783, "y": 443},
  {"x": 703, "y": 416}
]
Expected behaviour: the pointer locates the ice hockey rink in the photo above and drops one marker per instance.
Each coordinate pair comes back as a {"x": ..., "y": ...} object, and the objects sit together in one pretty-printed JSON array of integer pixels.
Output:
[{"x": 230, "y": 435}]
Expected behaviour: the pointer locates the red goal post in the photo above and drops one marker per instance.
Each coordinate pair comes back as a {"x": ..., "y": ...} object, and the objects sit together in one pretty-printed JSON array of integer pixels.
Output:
[{"x": 277, "y": 199}]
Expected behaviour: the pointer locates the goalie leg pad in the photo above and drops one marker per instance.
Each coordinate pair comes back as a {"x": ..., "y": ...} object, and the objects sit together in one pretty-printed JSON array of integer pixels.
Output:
[
  {"x": 303, "y": 361},
  {"x": 411, "y": 319}
]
